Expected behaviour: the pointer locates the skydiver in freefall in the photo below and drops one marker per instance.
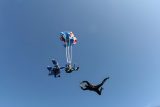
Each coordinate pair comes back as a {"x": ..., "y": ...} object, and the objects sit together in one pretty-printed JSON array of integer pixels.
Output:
[
  {"x": 96, "y": 88},
  {"x": 69, "y": 68},
  {"x": 56, "y": 70}
]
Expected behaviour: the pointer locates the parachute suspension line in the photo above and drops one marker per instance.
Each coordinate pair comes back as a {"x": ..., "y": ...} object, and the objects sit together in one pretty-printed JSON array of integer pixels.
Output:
[
  {"x": 71, "y": 53},
  {"x": 66, "y": 54}
]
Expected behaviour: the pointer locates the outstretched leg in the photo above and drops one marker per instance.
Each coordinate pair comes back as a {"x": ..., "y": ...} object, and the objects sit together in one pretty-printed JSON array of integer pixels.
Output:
[
  {"x": 49, "y": 68},
  {"x": 99, "y": 85},
  {"x": 98, "y": 92}
]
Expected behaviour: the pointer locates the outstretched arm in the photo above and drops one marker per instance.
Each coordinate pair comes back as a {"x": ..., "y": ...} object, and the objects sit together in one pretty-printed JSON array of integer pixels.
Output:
[
  {"x": 86, "y": 82},
  {"x": 62, "y": 67},
  {"x": 77, "y": 68},
  {"x": 83, "y": 88}
]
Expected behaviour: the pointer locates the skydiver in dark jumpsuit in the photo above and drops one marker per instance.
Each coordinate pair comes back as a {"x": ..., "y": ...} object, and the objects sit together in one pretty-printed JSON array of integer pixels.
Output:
[
  {"x": 97, "y": 88},
  {"x": 56, "y": 70}
]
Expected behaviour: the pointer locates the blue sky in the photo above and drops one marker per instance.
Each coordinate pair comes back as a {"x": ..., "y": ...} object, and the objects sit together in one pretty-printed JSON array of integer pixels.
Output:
[{"x": 116, "y": 38}]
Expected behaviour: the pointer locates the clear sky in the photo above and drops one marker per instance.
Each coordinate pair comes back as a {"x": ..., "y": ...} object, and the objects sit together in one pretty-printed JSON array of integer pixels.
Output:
[{"x": 116, "y": 38}]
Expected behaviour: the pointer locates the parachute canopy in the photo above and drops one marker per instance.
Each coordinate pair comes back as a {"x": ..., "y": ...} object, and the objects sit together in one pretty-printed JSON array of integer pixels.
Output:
[{"x": 68, "y": 38}]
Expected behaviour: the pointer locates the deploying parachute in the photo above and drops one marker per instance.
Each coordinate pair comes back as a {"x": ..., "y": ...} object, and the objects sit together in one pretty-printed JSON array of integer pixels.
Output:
[{"x": 68, "y": 39}]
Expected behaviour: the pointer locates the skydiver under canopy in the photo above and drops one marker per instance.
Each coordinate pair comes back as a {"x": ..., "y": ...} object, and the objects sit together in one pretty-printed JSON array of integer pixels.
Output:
[
  {"x": 85, "y": 85},
  {"x": 56, "y": 70},
  {"x": 69, "y": 68}
]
